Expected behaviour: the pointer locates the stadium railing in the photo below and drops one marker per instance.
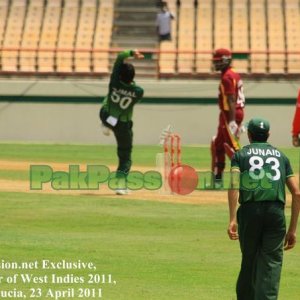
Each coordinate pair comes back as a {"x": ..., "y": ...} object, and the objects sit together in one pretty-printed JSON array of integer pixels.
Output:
[{"x": 105, "y": 58}]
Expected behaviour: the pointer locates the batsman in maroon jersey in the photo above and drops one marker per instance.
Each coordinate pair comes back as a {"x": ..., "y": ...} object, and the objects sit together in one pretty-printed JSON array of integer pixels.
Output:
[{"x": 231, "y": 104}]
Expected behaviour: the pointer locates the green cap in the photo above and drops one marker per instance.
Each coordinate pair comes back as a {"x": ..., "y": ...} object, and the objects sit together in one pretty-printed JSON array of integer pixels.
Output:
[{"x": 258, "y": 126}]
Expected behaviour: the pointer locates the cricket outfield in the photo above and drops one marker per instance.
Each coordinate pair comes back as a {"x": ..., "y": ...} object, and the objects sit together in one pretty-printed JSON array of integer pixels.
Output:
[
  {"x": 143, "y": 245},
  {"x": 92, "y": 244}
]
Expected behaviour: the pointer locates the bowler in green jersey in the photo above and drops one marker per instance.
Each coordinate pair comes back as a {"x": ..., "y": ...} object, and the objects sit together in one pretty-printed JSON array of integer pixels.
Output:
[
  {"x": 259, "y": 222},
  {"x": 117, "y": 109}
]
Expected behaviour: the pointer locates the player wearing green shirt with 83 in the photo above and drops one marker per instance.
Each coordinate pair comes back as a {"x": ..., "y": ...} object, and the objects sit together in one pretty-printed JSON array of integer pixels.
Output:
[
  {"x": 259, "y": 223},
  {"x": 117, "y": 109}
]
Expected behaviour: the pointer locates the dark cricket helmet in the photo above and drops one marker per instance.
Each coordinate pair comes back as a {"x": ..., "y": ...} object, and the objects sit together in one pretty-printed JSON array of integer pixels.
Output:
[{"x": 222, "y": 59}]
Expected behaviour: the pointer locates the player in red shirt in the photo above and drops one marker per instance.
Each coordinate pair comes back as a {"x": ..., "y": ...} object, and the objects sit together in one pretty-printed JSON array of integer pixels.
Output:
[
  {"x": 296, "y": 124},
  {"x": 231, "y": 104}
]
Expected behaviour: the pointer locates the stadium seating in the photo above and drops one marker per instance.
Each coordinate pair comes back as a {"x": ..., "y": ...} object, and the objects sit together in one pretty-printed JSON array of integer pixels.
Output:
[
  {"x": 85, "y": 35},
  {"x": 48, "y": 40},
  {"x": 103, "y": 36},
  {"x": 240, "y": 34},
  {"x": 3, "y": 18},
  {"x": 258, "y": 36},
  {"x": 67, "y": 36},
  {"x": 168, "y": 56},
  {"x": 75, "y": 36},
  {"x": 13, "y": 35},
  {"x": 204, "y": 36},
  {"x": 292, "y": 23},
  {"x": 186, "y": 37},
  {"x": 222, "y": 33},
  {"x": 31, "y": 35},
  {"x": 256, "y": 27},
  {"x": 276, "y": 36}
]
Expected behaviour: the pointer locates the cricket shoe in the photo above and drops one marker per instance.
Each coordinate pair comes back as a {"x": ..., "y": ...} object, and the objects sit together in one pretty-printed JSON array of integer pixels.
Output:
[
  {"x": 122, "y": 192},
  {"x": 105, "y": 130}
]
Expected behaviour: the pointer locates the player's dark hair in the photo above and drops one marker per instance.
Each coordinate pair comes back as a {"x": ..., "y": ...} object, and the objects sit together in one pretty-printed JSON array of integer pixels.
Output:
[
  {"x": 127, "y": 72},
  {"x": 161, "y": 4},
  {"x": 259, "y": 137}
]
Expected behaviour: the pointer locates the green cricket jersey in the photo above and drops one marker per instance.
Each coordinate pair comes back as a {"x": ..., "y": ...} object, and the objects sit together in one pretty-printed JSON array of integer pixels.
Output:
[
  {"x": 263, "y": 172},
  {"x": 121, "y": 96}
]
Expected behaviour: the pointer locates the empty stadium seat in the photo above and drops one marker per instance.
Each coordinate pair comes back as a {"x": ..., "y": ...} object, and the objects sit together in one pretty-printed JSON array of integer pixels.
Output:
[
  {"x": 167, "y": 61},
  {"x": 258, "y": 36},
  {"x": 66, "y": 36},
  {"x": 292, "y": 23},
  {"x": 240, "y": 33},
  {"x": 85, "y": 34},
  {"x": 276, "y": 36},
  {"x": 46, "y": 55},
  {"x": 186, "y": 37},
  {"x": 204, "y": 37},
  {"x": 3, "y": 18},
  {"x": 31, "y": 36},
  {"x": 13, "y": 35},
  {"x": 102, "y": 38},
  {"x": 222, "y": 34}
]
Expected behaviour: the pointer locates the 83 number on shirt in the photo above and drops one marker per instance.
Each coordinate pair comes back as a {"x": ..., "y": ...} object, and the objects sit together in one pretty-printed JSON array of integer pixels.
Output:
[{"x": 259, "y": 168}]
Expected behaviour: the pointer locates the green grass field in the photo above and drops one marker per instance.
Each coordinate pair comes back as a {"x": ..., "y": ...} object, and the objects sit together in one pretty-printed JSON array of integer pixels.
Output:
[{"x": 153, "y": 250}]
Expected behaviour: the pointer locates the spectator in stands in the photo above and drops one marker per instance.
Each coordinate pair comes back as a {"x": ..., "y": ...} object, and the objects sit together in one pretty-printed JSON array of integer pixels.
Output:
[
  {"x": 163, "y": 22},
  {"x": 296, "y": 124}
]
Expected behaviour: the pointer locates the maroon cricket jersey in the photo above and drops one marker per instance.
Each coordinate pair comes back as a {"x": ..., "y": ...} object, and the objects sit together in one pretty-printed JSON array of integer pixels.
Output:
[
  {"x": 231, "y": 84},
  {"x": 296, "y": 122}
]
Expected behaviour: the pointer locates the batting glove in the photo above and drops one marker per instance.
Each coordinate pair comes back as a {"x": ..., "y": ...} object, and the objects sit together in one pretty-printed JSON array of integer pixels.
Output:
[
  {"x": 241, "y": 130},
  {"x": 233, "y": 127}
]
